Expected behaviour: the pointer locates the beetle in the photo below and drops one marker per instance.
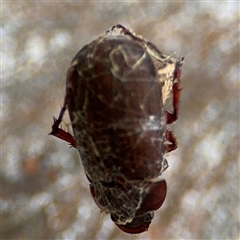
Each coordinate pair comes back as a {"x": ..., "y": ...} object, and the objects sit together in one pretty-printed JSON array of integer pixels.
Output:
[{"x": 116, "y": 93}]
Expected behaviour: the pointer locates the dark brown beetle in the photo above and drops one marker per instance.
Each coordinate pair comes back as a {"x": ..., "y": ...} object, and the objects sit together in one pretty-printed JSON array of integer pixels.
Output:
[{"x": 115, "y": 94}]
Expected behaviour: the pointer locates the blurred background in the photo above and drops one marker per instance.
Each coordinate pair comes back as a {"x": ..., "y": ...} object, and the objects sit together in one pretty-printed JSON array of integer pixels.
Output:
[{"x": 44, "y": 191}]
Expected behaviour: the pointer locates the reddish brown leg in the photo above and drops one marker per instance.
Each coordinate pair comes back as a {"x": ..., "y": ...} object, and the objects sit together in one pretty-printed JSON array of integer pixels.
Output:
[
  {"x": 172, "y": 142},
  {"x": 173, "y": 116},
  {"x": 60, "y": 133}
]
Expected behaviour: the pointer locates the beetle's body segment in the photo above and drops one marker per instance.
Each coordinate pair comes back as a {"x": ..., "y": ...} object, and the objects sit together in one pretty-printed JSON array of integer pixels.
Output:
[{"x": 115, "y": 101}]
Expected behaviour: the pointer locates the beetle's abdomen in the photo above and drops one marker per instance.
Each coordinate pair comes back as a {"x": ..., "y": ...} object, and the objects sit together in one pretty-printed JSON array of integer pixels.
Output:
[{"x": 116, "y": 110}]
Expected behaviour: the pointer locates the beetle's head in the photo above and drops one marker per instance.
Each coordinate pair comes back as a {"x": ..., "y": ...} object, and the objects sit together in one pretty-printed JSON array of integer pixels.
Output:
[{"x": 152, "y": 200}]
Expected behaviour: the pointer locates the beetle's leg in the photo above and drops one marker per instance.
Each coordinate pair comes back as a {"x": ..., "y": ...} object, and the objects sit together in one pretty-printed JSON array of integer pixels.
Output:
[
  {"x": 58, "y": 132},
  {"x": 171, "y": 141},
  {"x": 173, "y": 116}
]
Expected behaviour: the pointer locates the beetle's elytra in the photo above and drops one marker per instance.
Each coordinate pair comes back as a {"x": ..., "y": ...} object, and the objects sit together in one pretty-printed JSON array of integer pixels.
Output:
[{"x": 115, "y": 95}]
